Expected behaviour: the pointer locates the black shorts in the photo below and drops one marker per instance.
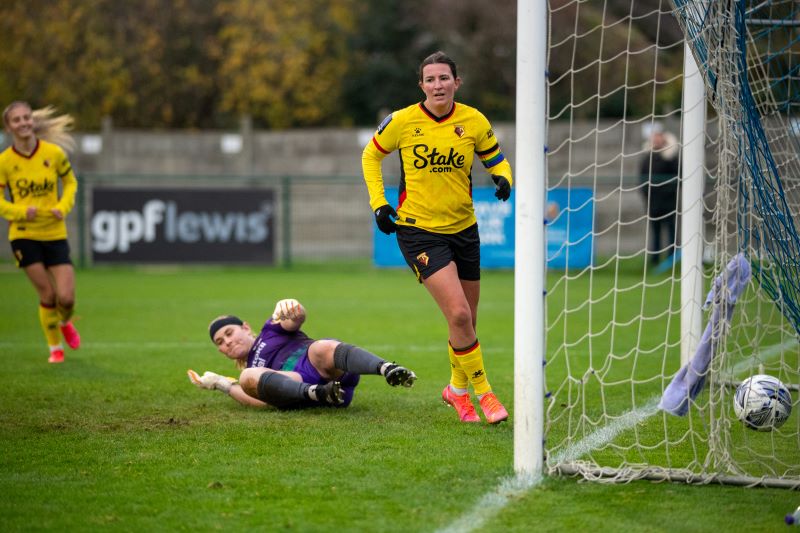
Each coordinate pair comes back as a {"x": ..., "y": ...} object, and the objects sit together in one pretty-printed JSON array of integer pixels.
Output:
[
  {"x": 28, "y": 252},
  {"x": 426, "y": 252}
]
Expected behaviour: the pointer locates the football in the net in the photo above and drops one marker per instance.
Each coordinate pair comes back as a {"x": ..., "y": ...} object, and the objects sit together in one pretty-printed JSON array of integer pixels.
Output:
[{"x": 762, "y": 402}]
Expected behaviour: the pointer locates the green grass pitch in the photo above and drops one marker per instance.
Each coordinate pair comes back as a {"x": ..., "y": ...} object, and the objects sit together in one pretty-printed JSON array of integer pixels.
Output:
[{"x": 117, "y": 439}]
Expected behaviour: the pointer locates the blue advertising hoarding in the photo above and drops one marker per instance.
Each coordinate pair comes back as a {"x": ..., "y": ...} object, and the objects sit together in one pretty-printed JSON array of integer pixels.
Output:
[{"x": 569, "y": 213}]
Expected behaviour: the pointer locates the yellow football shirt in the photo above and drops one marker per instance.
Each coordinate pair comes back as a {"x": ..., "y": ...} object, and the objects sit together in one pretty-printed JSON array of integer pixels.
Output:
[
  {"x": 33, "y": 181},
  {"x": 436, "y": 156}
]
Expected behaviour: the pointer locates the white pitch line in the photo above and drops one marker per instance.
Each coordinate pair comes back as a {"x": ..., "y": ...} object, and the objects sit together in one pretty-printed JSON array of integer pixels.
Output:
[
  {"x": 606, "y": 434},
  {"x": 117, "y": 344},
  {"x": 385, "y": 348},
  {"x": 493, "y": 502},
  {"x": 193, "y": 344}
]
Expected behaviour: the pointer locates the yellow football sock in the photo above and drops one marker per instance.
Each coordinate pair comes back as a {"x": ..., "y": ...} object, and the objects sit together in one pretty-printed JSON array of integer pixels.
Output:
[
  {"x": 470, "y": 359},
  {"x": 458, "y": 378},
  {"x": 48, "y": 318}
]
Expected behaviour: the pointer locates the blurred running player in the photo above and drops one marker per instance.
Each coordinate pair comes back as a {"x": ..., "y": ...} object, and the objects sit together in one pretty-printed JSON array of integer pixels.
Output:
[
  {"x": 30, "y": 170},
  {"x": 437, "y": 230},
  {"x": 282, "y": 367}
]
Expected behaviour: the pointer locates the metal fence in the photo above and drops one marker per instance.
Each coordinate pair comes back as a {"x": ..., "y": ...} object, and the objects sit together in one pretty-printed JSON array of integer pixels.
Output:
[{"x": 328, "y": 218}]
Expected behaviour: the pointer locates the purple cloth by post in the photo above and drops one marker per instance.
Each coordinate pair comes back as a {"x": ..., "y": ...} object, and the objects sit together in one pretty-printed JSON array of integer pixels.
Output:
[{"x": 689, "y": 380}]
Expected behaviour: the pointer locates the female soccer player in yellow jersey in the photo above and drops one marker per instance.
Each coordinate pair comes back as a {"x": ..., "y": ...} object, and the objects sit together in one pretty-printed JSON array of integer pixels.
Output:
[
  {"x": 29, "y": 171},
  {"x": 437, "y": 231}
]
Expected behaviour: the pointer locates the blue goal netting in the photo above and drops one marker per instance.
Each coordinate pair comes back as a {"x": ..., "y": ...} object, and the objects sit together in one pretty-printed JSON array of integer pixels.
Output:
[{"x": 749, "y": 53}]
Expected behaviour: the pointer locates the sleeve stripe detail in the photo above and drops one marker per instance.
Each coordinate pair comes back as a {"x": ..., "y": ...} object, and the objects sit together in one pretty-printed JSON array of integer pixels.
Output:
[
  {"x": 499, "y": 158},
  {"x": 378, "y": 146},
  {"x": 67, "y": 171},
  {"x": 489, "y": 151}
]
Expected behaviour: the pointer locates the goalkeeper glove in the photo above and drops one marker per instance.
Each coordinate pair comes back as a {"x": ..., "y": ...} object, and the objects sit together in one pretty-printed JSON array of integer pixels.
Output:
[
  {"x": 288, "y": 309},
  {"x": 502, "y": 188},
  {"x": 383, "y": 217},
  {"x": 211, "y": 381}
]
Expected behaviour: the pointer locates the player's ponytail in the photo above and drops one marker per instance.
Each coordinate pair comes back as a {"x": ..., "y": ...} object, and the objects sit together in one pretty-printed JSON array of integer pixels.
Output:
[{"x": 54, "y": 128}]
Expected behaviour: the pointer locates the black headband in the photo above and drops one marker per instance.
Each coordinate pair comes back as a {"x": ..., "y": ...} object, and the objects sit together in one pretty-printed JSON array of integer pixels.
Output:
[{"x": 222, "y": 322}]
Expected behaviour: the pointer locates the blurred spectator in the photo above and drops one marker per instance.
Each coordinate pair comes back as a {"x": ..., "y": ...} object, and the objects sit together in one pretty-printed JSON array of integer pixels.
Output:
[{"x": 660, "y": 176}]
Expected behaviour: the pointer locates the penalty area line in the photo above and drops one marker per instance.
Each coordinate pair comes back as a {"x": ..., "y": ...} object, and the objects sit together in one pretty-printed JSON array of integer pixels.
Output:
[
  {"x": 511, "y": 488},
  {"x": 606, "y": 434},
  {"x": 195, "y": 344},
  {"x": 492, "y": 503}
]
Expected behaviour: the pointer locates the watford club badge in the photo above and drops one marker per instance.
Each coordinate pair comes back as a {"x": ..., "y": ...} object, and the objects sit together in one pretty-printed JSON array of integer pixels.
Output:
[
  {"x": 422, "y": 259},
  {"x": 47, "y": 163},
  {"x": 459, "y": 131}
]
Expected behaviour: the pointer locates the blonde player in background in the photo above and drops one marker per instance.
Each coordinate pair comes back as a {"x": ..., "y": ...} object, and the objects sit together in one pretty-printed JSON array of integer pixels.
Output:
[
  {"x": 437, "y": 230},
  {"x": 30, "y": 170}
]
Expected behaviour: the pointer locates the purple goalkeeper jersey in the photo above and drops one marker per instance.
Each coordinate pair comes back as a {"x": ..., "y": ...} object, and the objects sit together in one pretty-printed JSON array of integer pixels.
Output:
[{"x": 277, "y": 348}]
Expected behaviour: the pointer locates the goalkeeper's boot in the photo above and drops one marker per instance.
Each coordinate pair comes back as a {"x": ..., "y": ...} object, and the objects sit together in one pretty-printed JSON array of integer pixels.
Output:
[
  {"x": 56, "y": 356},
  {"x": 399, "y": 375},
  {"x": 461, "y": 403},
  {"x": 70, "y": 335},
  {"x": 493, "y": 410},
  {"x": 330, "y": 393}
]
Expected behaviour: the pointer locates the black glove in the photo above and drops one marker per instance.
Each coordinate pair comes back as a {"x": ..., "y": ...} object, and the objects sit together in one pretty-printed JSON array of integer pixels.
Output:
[
  {"x": 502, "y": 188},
  {"x": 383, "y": 217}
]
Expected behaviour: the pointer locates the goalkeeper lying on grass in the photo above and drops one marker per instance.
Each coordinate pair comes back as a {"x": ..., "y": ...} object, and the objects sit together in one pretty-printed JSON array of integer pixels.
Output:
[{"x": 284, "y": 368}]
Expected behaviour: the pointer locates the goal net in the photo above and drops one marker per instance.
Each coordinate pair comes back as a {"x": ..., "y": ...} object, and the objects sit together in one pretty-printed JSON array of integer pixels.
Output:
[{"x": 621, "y": 331}]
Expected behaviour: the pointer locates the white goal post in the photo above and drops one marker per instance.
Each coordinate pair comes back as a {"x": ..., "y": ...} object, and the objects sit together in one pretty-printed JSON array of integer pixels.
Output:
[{"x": 529, "y": 243}]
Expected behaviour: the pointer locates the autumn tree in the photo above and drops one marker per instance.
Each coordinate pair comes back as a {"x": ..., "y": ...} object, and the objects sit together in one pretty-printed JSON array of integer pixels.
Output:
[
  {"x": 299, "y": 63},
  {"x": 396, "y": 35},
  {"x": 284, "y": 62},
  {"x": 172, "y": 58},
  {"x": 482, "y": 38},
  {"x": 385, "y": 54},
  {"x": 150, "y": 63},
  {"x": 59, "y": 53}
]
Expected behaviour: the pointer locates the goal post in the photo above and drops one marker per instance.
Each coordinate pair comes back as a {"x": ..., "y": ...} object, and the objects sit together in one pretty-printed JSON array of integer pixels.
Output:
[
  {"x": 693, "y": 179},
  {"x": 529, "y": 270}
]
